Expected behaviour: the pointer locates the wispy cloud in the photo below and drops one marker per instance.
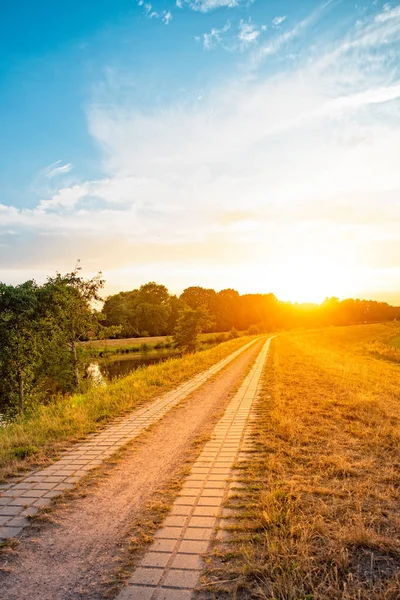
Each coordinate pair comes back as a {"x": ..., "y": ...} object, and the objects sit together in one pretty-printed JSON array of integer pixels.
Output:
[
  {"x": 387, "y": 14},
  {"x": 274, "y": 45},
  {"x": 215, "y": 37},
  {"x": 311, "y": 153},
  {"x": 165, "y": 15},
  {"x": 248, "y": 32},
  {"x": 277, "y": 21},
  {"x": 209, "y": 5},
  {"x": 56, "y": 169}
]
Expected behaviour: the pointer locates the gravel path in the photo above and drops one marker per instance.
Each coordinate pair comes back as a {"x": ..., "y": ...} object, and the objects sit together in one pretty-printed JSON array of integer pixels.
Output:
[
  {"x": 25, "y": 496},
  {"x": 171, "y": 568},
  {"x": 72, "y": 559}
]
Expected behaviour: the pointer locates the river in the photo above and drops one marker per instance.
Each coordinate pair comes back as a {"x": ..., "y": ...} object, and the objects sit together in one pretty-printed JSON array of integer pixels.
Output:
[{"x": 121, "y": 365}]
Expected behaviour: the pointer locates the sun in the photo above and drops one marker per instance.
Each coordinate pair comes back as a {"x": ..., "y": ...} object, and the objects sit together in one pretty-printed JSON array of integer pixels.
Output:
[
  {"x": 312, "y": 277},
  {"x": 305, "y": 274}
]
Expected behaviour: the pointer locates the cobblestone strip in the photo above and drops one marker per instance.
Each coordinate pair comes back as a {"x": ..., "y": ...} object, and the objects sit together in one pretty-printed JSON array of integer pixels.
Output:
[
  {"x": 171, "y": 568},
  {"x": 24, "y": 496}
]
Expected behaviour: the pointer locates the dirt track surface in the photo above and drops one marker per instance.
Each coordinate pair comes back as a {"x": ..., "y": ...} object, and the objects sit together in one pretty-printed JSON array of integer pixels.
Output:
[{"x": 71, "y": 560}]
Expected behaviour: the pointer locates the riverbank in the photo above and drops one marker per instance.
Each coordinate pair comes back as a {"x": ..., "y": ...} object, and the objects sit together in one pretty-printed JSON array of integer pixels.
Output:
[
  {"x": 104, "y": 348},
  {"x": 36, "y": 439}
]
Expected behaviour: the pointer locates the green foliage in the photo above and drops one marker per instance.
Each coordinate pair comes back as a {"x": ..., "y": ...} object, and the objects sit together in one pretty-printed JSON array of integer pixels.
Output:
[
  {"x": 190, "y": 323},
  {"x": 142, "y": 312},
  {"x": 40, "y": 327}
]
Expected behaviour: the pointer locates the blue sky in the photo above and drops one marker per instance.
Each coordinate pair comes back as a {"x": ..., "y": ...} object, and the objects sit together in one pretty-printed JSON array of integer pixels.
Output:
[{"x": 216, "y": 142}]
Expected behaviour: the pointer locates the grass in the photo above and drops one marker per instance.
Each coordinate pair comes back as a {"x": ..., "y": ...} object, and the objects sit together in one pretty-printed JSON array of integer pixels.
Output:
[
  {"x": 38, "y": 438},
  {"x": 144, "y": 344},
  {"x": 318, "y": 518}
]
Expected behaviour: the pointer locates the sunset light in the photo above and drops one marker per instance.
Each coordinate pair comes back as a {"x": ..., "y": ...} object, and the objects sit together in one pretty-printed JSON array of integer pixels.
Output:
[{"x": 199, "y": 299}]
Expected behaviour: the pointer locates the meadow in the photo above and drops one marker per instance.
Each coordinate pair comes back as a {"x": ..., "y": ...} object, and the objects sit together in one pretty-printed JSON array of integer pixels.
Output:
[
  {"x": 38, "y": 437},
  {"x": 317, "y": 518},
  {"x": 130, "y": 345}
]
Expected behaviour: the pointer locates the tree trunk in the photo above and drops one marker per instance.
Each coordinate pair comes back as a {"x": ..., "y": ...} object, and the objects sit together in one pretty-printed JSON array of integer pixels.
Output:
[
  {"x": 75, "y": 359},
  {"x": 20, "y": 393}
]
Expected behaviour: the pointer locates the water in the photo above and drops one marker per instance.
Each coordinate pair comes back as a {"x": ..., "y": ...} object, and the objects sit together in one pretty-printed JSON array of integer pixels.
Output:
[{"x": 124, "y": 364}]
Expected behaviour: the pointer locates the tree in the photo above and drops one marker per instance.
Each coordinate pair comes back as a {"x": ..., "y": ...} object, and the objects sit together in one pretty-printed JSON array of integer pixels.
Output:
[
  {"x": 190, "y": 323},
  {"x": 199, "y": 297},
  {"x": 20, "y": 341},
  {"x": 145, "y": 310},
  {"x": 74, "y": 319}
]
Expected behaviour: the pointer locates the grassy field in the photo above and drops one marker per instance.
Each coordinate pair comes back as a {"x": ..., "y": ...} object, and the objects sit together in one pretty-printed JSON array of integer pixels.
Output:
[
  {"x": 36, "y": 439},
  {"x": 318, "y": 516},
  {"x": 146, "y": 343}
]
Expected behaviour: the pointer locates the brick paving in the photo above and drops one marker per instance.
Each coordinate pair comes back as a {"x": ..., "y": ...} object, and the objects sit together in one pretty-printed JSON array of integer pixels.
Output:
[
  {"x": 24, "y": 496},
  {"x": 171, "y": 568}
]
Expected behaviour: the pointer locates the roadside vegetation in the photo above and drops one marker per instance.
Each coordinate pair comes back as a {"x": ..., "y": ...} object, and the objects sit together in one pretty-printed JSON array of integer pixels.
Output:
[
  {"x": 104, "y": 348},
  {"x": 35, "y": 438},
  {"x": 317, "y": 518},
  {"x": 43, "y": 328}
]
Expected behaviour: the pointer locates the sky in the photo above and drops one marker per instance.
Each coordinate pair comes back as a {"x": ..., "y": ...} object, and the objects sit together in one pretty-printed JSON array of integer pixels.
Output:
[{"x": 222, "y": 143}]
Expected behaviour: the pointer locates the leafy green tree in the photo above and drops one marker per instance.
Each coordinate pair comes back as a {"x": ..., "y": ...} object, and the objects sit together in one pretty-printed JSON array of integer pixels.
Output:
[
  {"x": 190, "y": 323},
  {"x": 20, "y": 342},
  {"x": 144, "y": 310},
  {"x": 74, "y": 318}
]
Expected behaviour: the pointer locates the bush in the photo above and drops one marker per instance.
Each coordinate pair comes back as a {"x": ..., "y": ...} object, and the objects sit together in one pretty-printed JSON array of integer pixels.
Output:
[{"x": 233, "y": 334}]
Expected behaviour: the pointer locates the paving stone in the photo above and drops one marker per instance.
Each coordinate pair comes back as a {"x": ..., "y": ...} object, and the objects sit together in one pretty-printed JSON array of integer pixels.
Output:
[
  {"x": 21, "y": 502},
  {"x": 181, "y": 578},
  {"x": 208, "y": 501},
  {"x": 146, "y": 576},
  {"x": 40, "y": 502},
  {"x": 135, "y": 592},
  {"x": 193, "y": 547},
  {"x": 201, "y": 521},
  {"x": 155, "y": 559},
  {"x": 9, "y": 532},
  {"x": 18, "y": 522},
  {"x": 30, "y": 511},
  {"x": 33, "y": 493},
  {"x": 44, "y": 486},
  {"x": 9, "y": 511},
  {"x": 169, "y": 533},
  {"x": 173, "y": 594},
  {"x": 163, "y": 545},
  {"x": 187, "y": 561},
  {"x": 52, "y": 493},
  {"x": 205, "y": 511},
  {"x": 181, "y": 509},
  {"x": 197, "y": 533},
  {"x": 175, "y": 521}
]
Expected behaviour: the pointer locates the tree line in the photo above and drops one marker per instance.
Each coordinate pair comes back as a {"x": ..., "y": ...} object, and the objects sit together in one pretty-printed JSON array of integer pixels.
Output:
[
  {"x": 41, "y": 326},
  {"x": 151, "y": 310}
]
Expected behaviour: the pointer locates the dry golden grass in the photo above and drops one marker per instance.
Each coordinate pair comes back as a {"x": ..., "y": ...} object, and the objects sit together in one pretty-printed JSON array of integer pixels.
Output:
[{"x": 318, "y": 517}]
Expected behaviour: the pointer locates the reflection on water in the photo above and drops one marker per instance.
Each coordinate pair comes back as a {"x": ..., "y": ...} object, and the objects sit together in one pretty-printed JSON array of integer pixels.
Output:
[{"x": 125, "y": 364}]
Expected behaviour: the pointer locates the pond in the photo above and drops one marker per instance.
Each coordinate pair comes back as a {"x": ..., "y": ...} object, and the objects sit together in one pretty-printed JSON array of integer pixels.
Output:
[{"x": 122, "y": 364}]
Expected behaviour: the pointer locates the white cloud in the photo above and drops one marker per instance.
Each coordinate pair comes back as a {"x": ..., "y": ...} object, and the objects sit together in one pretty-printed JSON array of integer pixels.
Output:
[
  {"x": 167, "y": 17},
  {"x": 265, "y": 168},
  {"x": 209, "y": 5},
  {"x": 215, "y": 37},
  {"x": 248, "y": 32},
  {"x": 277, "y": 21},
  {"x": 388, "y": 14},
  {"x": 57, "y": 168}
]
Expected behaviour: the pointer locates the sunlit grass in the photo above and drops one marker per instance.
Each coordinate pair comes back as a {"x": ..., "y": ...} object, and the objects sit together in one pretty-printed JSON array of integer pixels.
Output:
[
  {"x": 322, "y": 491},
  {"x": 40, "y": 436}
]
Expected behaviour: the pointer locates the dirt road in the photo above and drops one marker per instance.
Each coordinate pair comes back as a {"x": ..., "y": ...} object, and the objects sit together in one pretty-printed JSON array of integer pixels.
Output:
[{"x": 73, "y": 558}]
